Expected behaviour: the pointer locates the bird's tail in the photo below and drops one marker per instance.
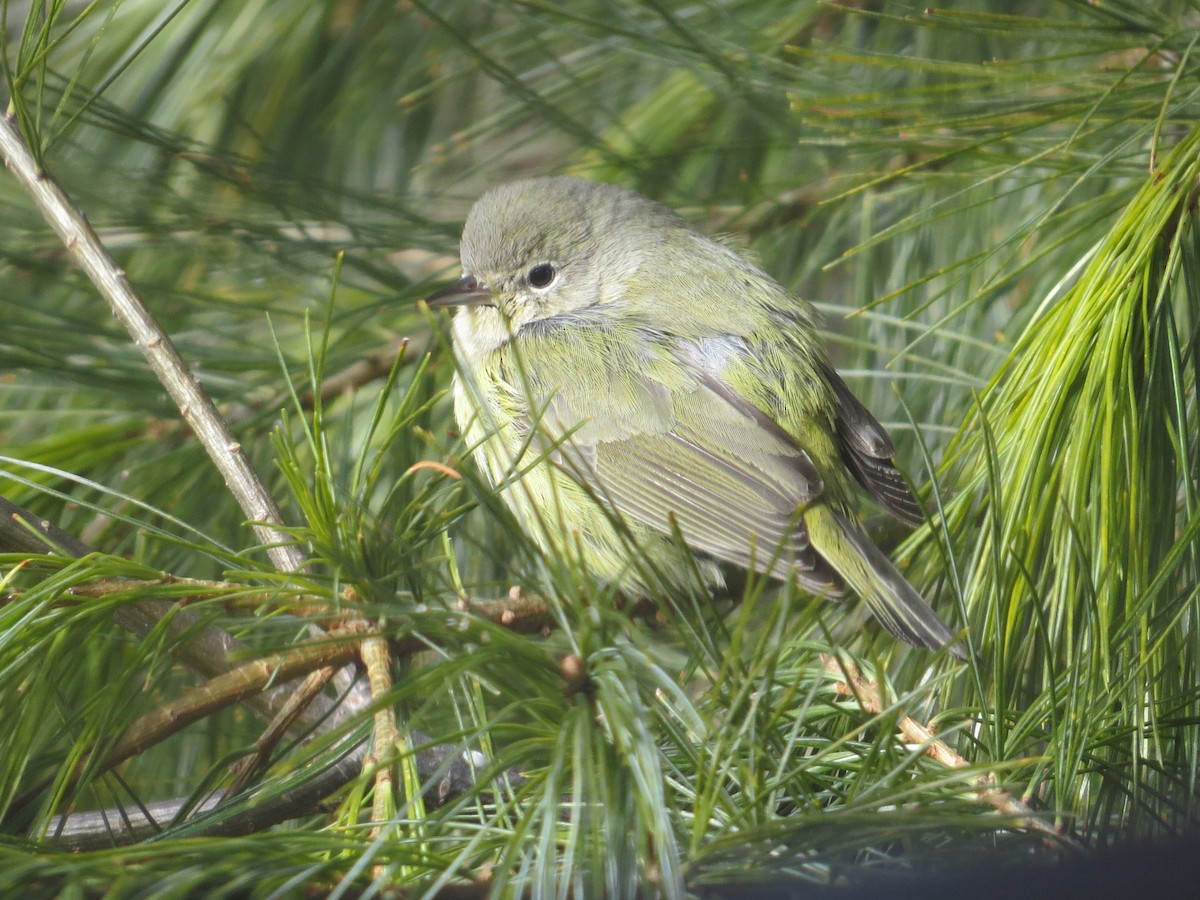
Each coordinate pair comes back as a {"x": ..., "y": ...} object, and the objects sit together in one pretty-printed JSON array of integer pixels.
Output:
[{"x": 893, "y": 601}]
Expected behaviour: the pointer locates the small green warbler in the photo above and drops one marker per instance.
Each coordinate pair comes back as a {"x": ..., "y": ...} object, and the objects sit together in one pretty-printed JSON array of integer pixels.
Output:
[{"x": 622, "y": 362}]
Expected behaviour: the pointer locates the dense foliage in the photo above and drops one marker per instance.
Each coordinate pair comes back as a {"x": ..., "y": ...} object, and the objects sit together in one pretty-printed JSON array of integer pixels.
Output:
[{"x": 996, "y": 211}]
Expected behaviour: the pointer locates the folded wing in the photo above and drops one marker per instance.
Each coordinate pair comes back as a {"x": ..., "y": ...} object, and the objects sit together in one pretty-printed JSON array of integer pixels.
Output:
[{"x": 732, "y": 481}]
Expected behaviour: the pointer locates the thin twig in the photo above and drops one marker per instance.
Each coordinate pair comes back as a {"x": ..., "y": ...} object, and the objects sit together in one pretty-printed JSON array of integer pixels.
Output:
[
  {"x": 520, "y": 612},
  {"x": 297, "y": 706},
  {"x": 225, "y": 690},
  {"x": 193, "y": 401},
  {"x": 376, "y": 657},
  {"x": 866, "y": 692}
]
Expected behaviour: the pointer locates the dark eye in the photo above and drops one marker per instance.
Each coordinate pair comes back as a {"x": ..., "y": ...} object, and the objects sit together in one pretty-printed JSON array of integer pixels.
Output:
[{"x": 541, "y": 275}]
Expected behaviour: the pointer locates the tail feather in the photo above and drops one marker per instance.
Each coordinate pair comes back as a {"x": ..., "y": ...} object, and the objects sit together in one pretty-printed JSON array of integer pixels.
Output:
[{"x": 892, "y": 600}]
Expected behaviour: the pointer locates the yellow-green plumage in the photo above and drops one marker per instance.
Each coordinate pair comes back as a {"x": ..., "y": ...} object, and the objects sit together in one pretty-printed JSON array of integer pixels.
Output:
[{"x": 604, "y": 342}]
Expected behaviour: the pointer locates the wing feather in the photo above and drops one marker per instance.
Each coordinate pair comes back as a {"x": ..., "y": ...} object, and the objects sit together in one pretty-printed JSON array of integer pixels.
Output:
[
  {"x": 733, "y": 487},
  {"x": 867, "y": 451}
]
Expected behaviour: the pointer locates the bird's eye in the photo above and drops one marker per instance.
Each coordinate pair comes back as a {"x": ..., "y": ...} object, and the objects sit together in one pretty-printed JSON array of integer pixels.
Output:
[{"x": 541, "y": 275}]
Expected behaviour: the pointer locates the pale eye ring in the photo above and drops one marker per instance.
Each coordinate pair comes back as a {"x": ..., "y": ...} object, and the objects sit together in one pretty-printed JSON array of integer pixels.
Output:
[{"x": 542, "y": 275}]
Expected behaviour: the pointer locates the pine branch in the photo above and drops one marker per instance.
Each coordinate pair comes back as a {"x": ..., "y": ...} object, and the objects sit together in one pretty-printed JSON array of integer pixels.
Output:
[
  {"x": 444, "y": 770},
  {"x": 866, "y": 693},
  {"x": 194, "y": 403}
]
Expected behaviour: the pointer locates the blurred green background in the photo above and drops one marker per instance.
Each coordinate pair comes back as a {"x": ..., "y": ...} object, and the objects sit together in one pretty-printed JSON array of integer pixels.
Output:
[{"x": 992, "y": 203}]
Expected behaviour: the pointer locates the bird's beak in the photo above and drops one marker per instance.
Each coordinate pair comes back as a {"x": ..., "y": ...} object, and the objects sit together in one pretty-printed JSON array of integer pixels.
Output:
[{"x": 467, "y": 291}]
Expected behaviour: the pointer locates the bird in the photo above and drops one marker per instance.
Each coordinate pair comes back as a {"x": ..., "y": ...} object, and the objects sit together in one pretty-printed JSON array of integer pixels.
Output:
[{"x": 622, "y": 376}]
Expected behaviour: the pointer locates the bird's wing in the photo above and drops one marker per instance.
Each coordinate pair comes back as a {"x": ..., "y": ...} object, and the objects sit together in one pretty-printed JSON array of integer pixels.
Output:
[
  {"x": 730, "y": 479},
  {"x": 867, "y": 451}
]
